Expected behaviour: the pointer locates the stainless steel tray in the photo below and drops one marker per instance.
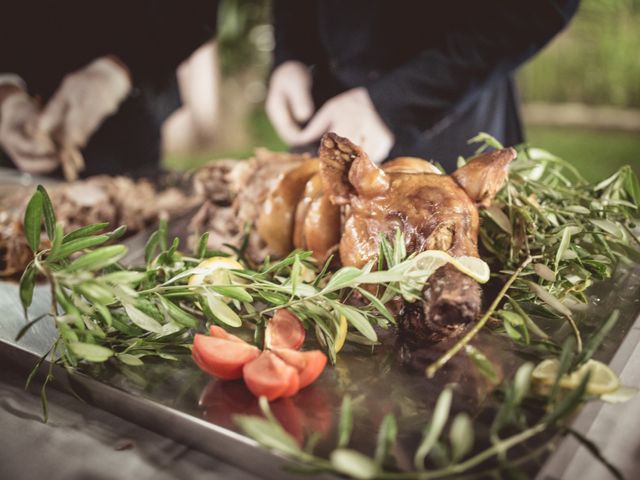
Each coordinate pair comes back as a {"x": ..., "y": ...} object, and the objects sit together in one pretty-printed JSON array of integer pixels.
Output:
[{"x": 176, "y": 399}]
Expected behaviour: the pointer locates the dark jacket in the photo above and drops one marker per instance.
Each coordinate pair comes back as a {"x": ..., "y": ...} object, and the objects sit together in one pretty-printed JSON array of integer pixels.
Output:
[
  {"x": 437, "y": 72},
  {"x": 44, "y": 40}
]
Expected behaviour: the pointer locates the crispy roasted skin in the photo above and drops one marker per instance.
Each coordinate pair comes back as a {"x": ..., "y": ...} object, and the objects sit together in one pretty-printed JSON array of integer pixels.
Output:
[
  {"x": 432, "y": 210},
  {"x": 344, "y": 202}
]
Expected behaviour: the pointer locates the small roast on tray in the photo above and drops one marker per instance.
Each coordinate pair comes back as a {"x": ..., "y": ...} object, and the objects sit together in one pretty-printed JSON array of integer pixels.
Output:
[
  {"x": 339, "y": 204},
  {"x": 342, "y": 203}
]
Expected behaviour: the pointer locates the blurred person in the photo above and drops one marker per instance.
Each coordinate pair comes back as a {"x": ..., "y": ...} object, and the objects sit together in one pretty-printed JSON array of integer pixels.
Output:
[
  {"x": 405, "y": 77},
  {"x": 100, "y": 77},
  {"x": 193, "y": 126}
]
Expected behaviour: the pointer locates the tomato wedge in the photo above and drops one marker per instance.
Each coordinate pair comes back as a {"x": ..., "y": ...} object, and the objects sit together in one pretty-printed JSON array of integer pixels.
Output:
[
  {"x": 222, "y": 358},
  {"x": 219, "y": 332},
  {"x": 269, "y": 376},
  {"x": 308, "y": 364},
  {"x": 284, "y": 330}
]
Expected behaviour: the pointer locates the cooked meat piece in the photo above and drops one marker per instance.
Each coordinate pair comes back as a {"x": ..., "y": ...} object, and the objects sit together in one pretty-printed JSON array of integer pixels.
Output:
[
  {"x": 275, "y": 223},
  {"x": 484, "y": 175},
  {"x": 434, "y": 211},
  {"x": 345, "y": 202},
  {"x": 115, "y": 200},
  {"x": 249, "y": 184},
  {"x": 318, "y": 221},
  {"x": 15, "y": 253}
]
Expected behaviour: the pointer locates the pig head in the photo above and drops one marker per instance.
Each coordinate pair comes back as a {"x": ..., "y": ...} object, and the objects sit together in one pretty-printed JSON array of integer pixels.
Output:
[{"x": 433, "y": 210}]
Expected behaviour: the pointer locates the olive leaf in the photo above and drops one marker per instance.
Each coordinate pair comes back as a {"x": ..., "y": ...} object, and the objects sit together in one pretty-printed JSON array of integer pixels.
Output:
[
  {"x": 151, "y": 247},
  {"x": 596, "y": 340},
  {"x": 201, "y": 248},
  {"x": 496, "y": 214},
  {"x": 75, "y": 245},
  {"x": 565, "y": 242},
  {"x": 218, "y": 310},
  {"x": 32, "y": 220},
  {"x": 521, "y": 382},
  {"x": 84, "y": 231},
  {"x": 549, "y": 299},
  {"x": 482, "y": 363},
  {"x": 178, "y": 314},
  {"x": 48, "y": 211},
  {"x": 27, "y": 285},
  {"x": 91, "y": 352},
  {"x": 342, "y": 278},
  {"x": 387, "y": 434},
  {"x": 569, "y": 403},
  {"x": 544, "y": 272},
  {"x": 354, "y": 464},
  {"x": 98, "y": 259},
  {"x": 515, "y": 326},
  {"x": 461, "y": 436},
  {"x": 357, "y": 320},
  {"x": 232, "y": 291},
  {"x": 434, "y": 428},
  {"x": 268, "y": 434},
  {"x": 142, "y": 320},
  {"x": 131, "y": 360},
  {"x": 345, "y": 424}
]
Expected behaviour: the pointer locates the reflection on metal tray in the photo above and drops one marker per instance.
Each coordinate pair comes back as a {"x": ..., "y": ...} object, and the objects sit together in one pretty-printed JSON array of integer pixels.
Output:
[{"x": 178, "y": 400}]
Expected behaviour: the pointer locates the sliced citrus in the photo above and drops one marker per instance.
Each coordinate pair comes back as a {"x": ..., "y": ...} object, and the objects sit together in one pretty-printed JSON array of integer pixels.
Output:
[
  {"x": 341, "y": 336},
  {"x": 601, "y": 381},
  {"x": 215, "y": 271},
  {"x": 430, "y": 260},
  {"x": 284, "y": 330}
]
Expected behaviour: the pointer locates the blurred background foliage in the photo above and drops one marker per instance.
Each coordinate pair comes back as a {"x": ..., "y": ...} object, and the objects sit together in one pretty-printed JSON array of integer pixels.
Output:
[{"x": 595, "y": 61}]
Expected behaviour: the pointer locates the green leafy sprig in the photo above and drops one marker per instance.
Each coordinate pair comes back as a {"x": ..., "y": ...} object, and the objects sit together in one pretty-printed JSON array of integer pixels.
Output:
[
  {"x": 446, "y": 447},
  {"x": 105, "y": 310}
]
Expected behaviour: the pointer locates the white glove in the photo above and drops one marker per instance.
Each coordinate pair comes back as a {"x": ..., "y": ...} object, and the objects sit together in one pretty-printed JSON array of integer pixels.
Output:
[
  {"x": 289, "y": 102},
  {"x": 32, "y": 154},
  {"x": 83, "y": 100},
  {"x": 352, "y": 115}
]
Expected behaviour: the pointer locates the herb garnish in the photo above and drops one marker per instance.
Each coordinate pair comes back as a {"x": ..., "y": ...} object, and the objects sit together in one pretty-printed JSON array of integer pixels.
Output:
[{"x": 549, "y": 236}]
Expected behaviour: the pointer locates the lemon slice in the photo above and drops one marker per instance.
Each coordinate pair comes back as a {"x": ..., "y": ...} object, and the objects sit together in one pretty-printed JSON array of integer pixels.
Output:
[
  {"x": 216, "y": 271},
  {"x": 431, "y": 260},
  {"x": 341, "y": 336},
  {"x": 601, "y": 382}
]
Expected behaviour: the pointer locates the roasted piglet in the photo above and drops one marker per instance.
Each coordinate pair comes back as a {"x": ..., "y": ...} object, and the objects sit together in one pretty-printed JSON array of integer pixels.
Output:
[
  {"x": 342, "y": 203},
  {"x": 432, "y": 210}
]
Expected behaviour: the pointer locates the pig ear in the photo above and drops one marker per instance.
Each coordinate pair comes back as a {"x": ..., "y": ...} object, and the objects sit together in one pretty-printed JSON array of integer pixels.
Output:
[
  {"x": 483, "y": 176},
  {"x": 346, "y": 170}
]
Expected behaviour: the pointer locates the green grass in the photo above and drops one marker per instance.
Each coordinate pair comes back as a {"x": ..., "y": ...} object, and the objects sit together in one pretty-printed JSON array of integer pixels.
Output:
[
  {"x": 594, "y": 61},
  {"x": 597, "y": 154}
]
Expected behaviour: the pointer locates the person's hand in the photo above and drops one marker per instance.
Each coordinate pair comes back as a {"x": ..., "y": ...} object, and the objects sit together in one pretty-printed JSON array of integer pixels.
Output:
[
  {"x": 289, "y": 102},
  {"x": 352, "y": 115},
  {"x": 83, "y": 100},
  {"x": 32, "y": 154}
]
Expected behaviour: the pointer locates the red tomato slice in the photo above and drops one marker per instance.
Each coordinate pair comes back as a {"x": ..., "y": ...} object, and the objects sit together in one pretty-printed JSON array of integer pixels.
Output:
[
  {"x": 308, "y": 364},
  {"x": 222, "y": 358},
  {"x": 268, "y": 375},
  {"x": 220, "y": 332},
  {"x": 284, "y": 330}
]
